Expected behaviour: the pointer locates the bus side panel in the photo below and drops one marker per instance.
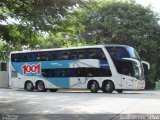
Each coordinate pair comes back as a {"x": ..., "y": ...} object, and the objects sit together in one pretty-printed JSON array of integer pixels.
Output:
[{"x": 56, "y": 82}]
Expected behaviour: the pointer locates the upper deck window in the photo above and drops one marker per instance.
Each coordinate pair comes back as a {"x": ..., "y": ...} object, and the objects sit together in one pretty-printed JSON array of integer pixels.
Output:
[
  {"x": 117, "y": 52},
  {"x": 75, "y": 54},
  {"x": 15, "y": 58}
]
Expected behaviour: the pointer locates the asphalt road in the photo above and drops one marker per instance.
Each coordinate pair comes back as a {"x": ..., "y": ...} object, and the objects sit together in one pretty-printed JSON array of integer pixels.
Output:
[{"x": 75, "y": 105}]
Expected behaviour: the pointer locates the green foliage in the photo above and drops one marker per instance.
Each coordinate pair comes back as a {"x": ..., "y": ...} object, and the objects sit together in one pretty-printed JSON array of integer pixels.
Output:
[
  {"x": 41, "y": 15},
  {"x": 111, "y": 21},
  {"x": 36, "y": 19},
  {"x": 14, "y": 37}
]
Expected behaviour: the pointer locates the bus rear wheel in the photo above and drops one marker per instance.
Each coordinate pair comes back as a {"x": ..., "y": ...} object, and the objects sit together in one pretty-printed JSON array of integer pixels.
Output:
[
  {"x": 94, "y": 87},
  {"x": 41, "y": 87},
  {"x": 29, "y": 86},
  {"x": 108, "y": 87}
]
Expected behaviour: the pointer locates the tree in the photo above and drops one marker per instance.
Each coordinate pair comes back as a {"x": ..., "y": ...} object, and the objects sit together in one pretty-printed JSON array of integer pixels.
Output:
[{"x": 42, "y": 15}]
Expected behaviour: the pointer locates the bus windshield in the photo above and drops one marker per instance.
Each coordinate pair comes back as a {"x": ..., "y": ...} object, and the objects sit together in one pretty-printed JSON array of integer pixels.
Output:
[
  {"x": 133, "y": 53},
  {"x": 138, "y": 72},
  {"x": 123, "y": 66}
]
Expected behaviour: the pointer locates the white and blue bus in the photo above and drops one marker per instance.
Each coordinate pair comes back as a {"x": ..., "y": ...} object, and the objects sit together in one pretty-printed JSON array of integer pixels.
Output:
[{"x": 105, "y": 67}]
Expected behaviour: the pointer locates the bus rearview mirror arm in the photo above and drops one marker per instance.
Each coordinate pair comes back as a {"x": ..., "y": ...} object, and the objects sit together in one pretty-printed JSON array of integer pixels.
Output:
[
  {"x": 134, "y": 60},
  {"x": 137, "y": 61},
  {"x": 148, "y": 65}
]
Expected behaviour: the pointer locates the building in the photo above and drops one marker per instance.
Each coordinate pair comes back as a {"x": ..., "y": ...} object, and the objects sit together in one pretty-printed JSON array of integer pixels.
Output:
[{"x": 4, "y": 77}]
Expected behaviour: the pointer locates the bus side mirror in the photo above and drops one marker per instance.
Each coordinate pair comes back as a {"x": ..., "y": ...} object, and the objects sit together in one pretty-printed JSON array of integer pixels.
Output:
[
  {"x": 134, "y": 60},
  {"x": 148, "y": 65}
]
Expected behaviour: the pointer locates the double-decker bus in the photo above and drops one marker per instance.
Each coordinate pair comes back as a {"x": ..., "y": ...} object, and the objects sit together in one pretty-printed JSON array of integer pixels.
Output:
[{"x": 105, "y": 67}]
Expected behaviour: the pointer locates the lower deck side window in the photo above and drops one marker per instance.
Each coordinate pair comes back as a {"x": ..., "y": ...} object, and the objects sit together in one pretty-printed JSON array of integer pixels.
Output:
[{"x": 76, "y": 72}]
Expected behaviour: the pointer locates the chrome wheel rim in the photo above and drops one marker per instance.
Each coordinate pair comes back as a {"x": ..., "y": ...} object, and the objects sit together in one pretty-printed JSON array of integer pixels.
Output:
[
  {"x": 29, "y": 86},
  {"x": 93, "y": 87},
  {"x": 40, "y": 87},
  {"x": 108, "y": 87}
]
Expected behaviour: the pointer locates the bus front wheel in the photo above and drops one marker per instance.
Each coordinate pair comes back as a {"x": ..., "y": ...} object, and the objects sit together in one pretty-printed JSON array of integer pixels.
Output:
[
  {"x": 41, "y": 87},
  {"x": 29, "y": 86}
]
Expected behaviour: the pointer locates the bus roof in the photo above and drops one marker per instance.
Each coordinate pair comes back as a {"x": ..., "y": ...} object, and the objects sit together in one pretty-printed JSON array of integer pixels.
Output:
[{"x": 71, "y": 48}]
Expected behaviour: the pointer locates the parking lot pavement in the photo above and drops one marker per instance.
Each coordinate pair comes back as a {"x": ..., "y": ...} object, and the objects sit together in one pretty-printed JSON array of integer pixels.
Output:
[{"x": 78, "y": 103}]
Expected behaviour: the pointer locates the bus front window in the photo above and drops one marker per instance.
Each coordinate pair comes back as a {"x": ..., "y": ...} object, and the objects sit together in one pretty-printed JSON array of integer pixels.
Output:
[
  {"x": 126, "y": 66},
  {"x": 133, "y": 53},
  {"x": 138, "y": 70}
]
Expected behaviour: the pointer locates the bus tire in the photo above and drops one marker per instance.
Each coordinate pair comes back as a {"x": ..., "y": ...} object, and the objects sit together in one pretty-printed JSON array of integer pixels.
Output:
[
  {"x": 53, "y": 90},
  {"x": 94, "y": 87},
  {"x": 119, "y": 90},
  {"x": 40, "y": 86},
  {"x": 29, "y": 86},
  {"x": 108, "y": 87}
]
